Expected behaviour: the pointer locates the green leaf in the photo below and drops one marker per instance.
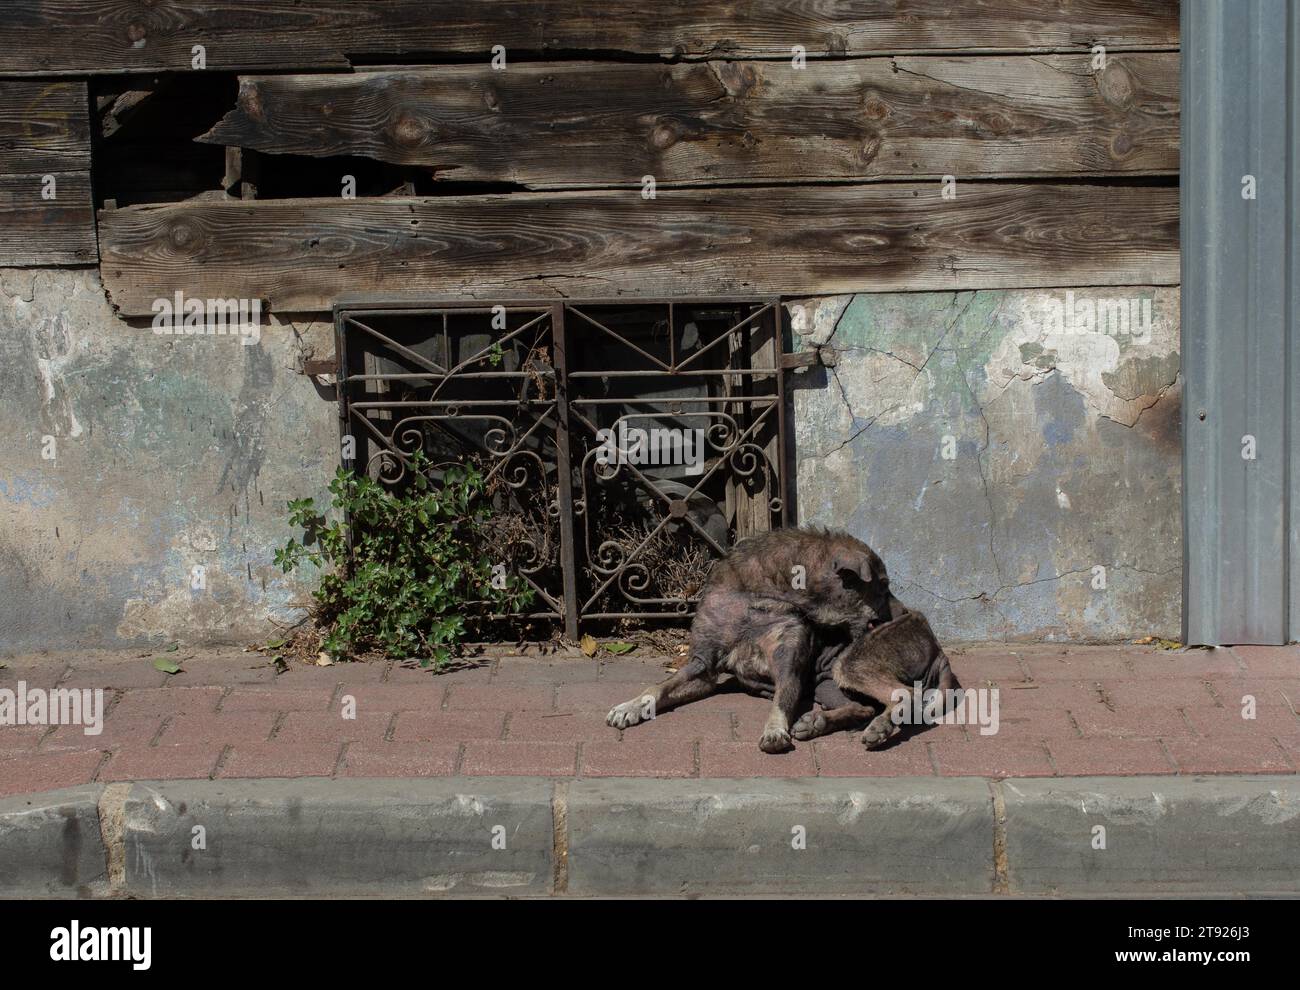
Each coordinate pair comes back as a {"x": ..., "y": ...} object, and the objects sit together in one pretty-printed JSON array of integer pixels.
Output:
[
  {"x": 173, "y": 648},
  {"x": 618, "y": 649},
  {"x": 166, "y": 666}
]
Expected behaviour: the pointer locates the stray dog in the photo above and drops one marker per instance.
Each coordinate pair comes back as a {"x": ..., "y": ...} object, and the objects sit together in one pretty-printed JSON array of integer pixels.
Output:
[
  {"x": 885, "y": 663},
  {"x": 782, "y": 612}
]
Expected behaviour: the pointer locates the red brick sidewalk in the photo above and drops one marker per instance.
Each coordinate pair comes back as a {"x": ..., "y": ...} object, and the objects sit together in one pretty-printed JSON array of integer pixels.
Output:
[{"x": 1064, "y": 711}]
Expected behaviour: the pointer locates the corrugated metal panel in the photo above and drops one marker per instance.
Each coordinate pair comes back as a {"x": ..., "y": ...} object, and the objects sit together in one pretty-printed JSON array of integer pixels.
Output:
[{"x": 1238, "y": 303}]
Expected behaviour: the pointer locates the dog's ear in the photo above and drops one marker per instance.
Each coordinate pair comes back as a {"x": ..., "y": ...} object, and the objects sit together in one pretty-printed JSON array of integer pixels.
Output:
[
  {"x": 865, "y": 568},
  {"x": 852, "y": 570}
]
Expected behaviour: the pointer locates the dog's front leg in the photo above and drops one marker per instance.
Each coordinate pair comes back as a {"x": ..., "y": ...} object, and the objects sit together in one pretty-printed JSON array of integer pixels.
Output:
[
  {"x": 694, "y": 681},
  {"x": 787, "y": 647}
]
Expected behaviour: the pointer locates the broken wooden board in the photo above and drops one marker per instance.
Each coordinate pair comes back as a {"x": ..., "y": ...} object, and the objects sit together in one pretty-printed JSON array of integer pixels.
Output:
[
  {"x": 39, "y": 231},
  {"x": 586, "y": 124},
  {"x": 302, "y": 255},
  {"x": 44, "y": 126},
  {"x": 90, "y": 36}
]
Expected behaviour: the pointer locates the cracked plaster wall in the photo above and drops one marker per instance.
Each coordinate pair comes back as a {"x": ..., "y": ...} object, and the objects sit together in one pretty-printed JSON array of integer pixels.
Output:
[
  {"x": 176, "y": 452},
  {"x": 170, "y": 453},
  {"x": 1064, "y": 436}
]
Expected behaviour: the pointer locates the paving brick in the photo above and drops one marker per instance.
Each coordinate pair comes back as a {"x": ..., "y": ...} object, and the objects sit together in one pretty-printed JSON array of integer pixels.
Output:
[
  {"x": 1015, "y": 698},
  {"x": 535, "y": 670},
  {"x": 597, "y": 697},
  {"x": 989, "y": 756},
  {"x": 1282, "y": 694},
  {"x": 1033, "y": 725},
  {"x": 413, "y": 673},
  {"x": 396, "y": 697},
  {"x": 1070, "y": 666},
  {"x": 1270, "y": 661},
  {"x": 17, "y": 740},
  {"x": 636, "y": 674},
  {"x": 745, "y": 759},
  {"x": 277, "y": 699},
  {"x": 361, "y": 672},
  {"x": 680, "y": 723},
  {"x": 399, "y": 760},
  {"x": 119, "y": 730},
  {"x": 506, "y": 698},
  {"x": 633, "y": 758},
  {"x": 448, "y": 727},
  {"x": 1108, "y": 757},
  {"x": 222, "y": 728},
  {"x": 843, "y": 755},
  {"x": 548, "y": 727},
  {"x": 1291, "y": 746},
  {"x": 47, "y": 772},
  {"x": 248, "y": 669},
  {"x": 1130, "y": 723},
  {"x": 42, "y": 674},
  {"x": 186, "y": 761},
  {"x": 167, "y": 701},
  {"x": 1228, "y": 754},
  {"x": 1226, "y": 721},
  {"x": 974, "y": 666},
  {"x": 275, "y": 759},
  {"x": 1157, "y": 692},
  {"x": 116, "y": 676},
  {"x": 520, "y": 759},
  {"x": 330, "y": 727}
]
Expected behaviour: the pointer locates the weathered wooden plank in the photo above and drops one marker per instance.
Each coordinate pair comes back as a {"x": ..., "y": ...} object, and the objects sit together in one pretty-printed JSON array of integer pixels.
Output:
[
  {"x": 38, "y": 231},
  {"x": 586, "y": 124},
  {"x": 304, "y": 254},
  {"x": 44, "y": 126},
  {"x": 84, "y": 36}
]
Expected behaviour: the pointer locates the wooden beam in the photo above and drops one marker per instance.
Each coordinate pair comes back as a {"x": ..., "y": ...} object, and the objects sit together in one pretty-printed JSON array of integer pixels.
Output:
[
  {"x": 582, "y": 124},
  {"x": 90, "y": 36},
  {"x": 39, "y": 231},
  {"x": 797, "y": 240},
  {"x": 44, "y": 127}
]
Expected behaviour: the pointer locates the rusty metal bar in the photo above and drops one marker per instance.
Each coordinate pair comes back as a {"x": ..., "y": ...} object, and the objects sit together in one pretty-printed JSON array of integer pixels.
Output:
[{"x": 568, "y": 557}]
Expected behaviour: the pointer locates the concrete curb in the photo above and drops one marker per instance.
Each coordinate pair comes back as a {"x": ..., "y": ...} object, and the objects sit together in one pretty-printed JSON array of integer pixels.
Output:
[{"x": 513, "y": 836}]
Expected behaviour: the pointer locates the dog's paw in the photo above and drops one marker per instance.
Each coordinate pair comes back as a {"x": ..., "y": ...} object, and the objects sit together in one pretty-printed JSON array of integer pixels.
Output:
[
  {"x": 775, "y": 741},
  {"x": 880, "y": 731},
  {"x": 631, "y": 712},
  {"x": 809, "y": 726}
]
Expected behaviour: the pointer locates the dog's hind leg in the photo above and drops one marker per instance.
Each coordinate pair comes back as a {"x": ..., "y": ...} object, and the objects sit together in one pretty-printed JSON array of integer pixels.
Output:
[
  {"x": 839, "y": 713},
  {"x": 696, "y": 680},
  {"x": 889, "y": 723}
]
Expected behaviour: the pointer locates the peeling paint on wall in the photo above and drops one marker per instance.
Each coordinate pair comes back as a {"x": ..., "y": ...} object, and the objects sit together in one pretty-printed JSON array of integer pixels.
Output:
[
  {"x": 170, "y": 453},
  {"x": 177, "y": 452},
  {"x": 998, "y": 448}
]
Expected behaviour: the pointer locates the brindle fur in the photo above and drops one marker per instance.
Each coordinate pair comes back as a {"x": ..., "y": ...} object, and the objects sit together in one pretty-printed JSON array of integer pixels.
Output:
[{"x": 755, "y": 628}]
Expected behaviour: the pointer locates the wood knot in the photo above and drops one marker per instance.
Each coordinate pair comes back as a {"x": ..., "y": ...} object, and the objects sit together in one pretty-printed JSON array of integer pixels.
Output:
[
  {"x": 185, "y": 237},
  {"x": 490, "y": 99},
  {"x": 738, "y": 78},
  {"x": 1116, "y": 85},
  {"x": 409, "y": 131},
  {"x": 1121, "y": 146},
  {"x": 874, "y": 108},
  {"x": 135, "y": 33},
  {"x": 663, "y": 137},
  {"x": 870, "y": 147}
]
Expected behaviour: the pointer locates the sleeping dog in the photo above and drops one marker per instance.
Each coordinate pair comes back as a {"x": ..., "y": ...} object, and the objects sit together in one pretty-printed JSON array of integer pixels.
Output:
[{"x": 796, "y": 609}]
